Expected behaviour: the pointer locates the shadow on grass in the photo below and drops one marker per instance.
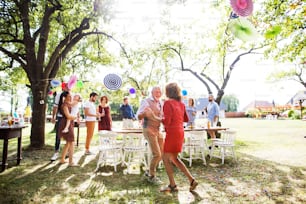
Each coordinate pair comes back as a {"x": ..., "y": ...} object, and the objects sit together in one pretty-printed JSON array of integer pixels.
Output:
[{"x": 253, "y": 180}]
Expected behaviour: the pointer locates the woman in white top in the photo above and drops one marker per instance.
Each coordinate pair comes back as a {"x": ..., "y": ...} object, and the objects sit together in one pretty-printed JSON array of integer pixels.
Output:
[{"x": 74, "y": 111}]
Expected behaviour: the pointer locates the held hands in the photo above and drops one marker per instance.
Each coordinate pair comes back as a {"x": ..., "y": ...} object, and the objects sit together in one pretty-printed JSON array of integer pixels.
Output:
[{"x": 150, "y": 114}]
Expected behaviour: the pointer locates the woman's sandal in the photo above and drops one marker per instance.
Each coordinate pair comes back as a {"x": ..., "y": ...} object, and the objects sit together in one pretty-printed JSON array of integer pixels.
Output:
[
  {"x": 193, "y": 185},
  {"x": 169, "y": 188}
]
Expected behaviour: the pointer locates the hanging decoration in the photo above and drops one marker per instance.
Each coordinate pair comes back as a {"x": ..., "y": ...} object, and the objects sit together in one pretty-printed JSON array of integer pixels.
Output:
[
  {"x": 55, "y": 83},
  {"x": 233, "y": 15},
  {"x": 112, "y": 81},
  {"x": 64, "y": 85},
  {"x": 132, "y": 91},
  {"x": 72, "y": 81},
  {"x": 79, "y": 84},
  {"x": 184, "y": 92},
  {"x": 242, "y": 7},
  {"x": 242, "y": 29},
  {"x": 273, "y": 32}
]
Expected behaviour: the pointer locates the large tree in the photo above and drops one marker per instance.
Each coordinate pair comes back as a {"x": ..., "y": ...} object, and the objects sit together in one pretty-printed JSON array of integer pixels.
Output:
[{"x": 37, "y": 36}]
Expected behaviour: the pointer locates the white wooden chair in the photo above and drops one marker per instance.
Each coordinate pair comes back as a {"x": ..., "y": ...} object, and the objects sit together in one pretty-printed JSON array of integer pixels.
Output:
[
  {"x": 194, "y": 147},
  {"x": 110, "y": 151},
  {"x": 134, "y": 151},
  {"x": 225, "y": 146}
]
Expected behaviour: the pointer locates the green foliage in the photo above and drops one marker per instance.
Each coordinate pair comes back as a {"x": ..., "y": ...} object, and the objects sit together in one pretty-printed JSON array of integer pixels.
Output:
[
  {"x": 288, "y": 43},
  {"x": 291, "y": 113},
  {"x": 231, "y": 102},
  {"x": 294, "y": 114}
]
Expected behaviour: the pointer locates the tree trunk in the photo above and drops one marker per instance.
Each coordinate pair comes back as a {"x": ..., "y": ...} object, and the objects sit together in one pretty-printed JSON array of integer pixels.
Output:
[
  {"x": 219, "y": 96},
  {"x": 39, "y": 115}
]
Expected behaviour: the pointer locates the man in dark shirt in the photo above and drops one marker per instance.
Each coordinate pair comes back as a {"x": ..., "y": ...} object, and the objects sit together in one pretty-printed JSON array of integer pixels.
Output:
[{"x": 127, "y": 113}]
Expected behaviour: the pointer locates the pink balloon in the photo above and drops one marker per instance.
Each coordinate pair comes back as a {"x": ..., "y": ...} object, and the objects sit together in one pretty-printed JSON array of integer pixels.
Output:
[{"x": 72, "y": 81}]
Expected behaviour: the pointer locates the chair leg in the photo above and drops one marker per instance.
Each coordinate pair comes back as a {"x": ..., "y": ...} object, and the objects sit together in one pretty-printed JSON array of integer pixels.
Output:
[
  {"x": 190, "y": 157},
  {"x": 212, "y": 151},
  {"x": 123, "y": 158},
  {"x": 234, "y": 155},
  {"x": 222, "y": 149},
  {"x": 203, "y": 156}
]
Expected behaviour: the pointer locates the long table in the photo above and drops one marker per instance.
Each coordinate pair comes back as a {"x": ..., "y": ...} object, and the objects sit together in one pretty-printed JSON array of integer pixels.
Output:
[
  {"x": 216, "y": 129},
  {"x": 127, "y": 131},
  {"x": 139, "y": 130},
  {"x": 7, "y": 133},
  {"x": 78, "y": 125}
]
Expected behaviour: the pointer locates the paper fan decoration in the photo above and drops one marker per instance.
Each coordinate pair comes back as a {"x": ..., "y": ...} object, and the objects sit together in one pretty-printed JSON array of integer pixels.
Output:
[
  {"x": 273, "y": 32},
  {"x": 112, "y": 81},
  {"x": 55, "y": 83},
  {"x": 242, "y": 29},
  {"x": 242, "y": 7},
  {"x": 72, "y": 81}
]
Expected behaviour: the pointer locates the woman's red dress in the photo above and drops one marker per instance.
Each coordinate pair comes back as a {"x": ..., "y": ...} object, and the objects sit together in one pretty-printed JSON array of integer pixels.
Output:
[
  {"x": 104, "y": 122},
  {"x": 174, "y": 117}
]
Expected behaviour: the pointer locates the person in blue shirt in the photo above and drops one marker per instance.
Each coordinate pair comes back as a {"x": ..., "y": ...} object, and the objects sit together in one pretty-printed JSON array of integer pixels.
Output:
[
  {"x": 212, "y": 114},
  {"x": 191, "y": 112},
  {"x": 127, "y": 113}
]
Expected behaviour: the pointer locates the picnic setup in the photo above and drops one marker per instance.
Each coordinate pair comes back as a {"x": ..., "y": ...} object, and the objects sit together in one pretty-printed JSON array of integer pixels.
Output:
[{"x": 129, "y": 147}]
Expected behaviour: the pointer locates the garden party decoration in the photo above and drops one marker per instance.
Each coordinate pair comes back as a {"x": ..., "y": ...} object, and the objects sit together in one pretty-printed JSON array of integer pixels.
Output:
[
  {"x": 112, "y": 81},
  {"x": 242, "y": 29},
  {"x": 64, "y": 85},
  {"x": 55, "y": 83},
  {"x": 72, "y": 81},
  {"x": 79, "y": 84},
  {"x": 273, "y": 32},
  {"x": 242, "y": 7},
  {"x": 132, "y": 91}
]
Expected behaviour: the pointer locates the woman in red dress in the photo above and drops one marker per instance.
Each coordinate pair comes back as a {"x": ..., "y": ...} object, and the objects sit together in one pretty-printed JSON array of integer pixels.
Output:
[
  {"x": 174, "y": 117},
  {"x": 105, "y": 121}
]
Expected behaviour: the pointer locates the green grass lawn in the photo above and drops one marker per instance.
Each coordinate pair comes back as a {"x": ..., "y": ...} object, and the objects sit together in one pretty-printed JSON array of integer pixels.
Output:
[{"x": 271, "y": 168}]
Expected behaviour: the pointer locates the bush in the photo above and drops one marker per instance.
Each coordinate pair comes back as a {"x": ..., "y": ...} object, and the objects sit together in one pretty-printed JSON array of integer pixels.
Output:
[{"x": 291, "y": 113}]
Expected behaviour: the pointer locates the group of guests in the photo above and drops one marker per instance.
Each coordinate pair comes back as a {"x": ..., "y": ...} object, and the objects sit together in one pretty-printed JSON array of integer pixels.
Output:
[{"x": 172, "y": 113}]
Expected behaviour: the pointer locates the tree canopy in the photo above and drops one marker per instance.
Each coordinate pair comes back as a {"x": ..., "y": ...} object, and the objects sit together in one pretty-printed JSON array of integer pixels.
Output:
[{"x": 37, "y": 36}]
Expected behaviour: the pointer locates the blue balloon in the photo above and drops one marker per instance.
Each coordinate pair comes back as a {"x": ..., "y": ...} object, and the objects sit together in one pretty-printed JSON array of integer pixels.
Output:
[
  {"x": 184, "y": 92},
  {"x": 55, "y": 83}
]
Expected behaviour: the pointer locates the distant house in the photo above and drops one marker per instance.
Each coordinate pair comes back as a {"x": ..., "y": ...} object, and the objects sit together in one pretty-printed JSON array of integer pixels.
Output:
[
  {"x": 262, "y": 105},
  {"x": 295, "y": 100}
]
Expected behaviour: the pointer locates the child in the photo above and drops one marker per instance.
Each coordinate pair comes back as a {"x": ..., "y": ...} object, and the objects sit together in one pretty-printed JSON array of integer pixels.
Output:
[{"x": 74, "y": 111}]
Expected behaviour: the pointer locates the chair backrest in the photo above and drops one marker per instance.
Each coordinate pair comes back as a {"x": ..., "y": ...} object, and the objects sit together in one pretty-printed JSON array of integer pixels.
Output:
[
  {"x": 195, "y": 138},
  {"x": 133, "y": 140},
  {"x": 107, "y": 138},
  {"x": 228, "y": 136}
]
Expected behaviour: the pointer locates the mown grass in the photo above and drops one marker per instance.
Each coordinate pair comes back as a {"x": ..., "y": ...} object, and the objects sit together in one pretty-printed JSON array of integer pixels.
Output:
[{"x": 271, "y": 168}]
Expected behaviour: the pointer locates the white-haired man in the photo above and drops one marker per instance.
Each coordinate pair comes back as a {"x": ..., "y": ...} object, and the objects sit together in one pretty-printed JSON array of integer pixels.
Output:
[{"x": 150, "y": 112}]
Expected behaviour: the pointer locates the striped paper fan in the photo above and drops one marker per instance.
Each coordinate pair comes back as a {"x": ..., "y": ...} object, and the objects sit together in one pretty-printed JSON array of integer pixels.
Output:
[{"x": 112, "y": 81}]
